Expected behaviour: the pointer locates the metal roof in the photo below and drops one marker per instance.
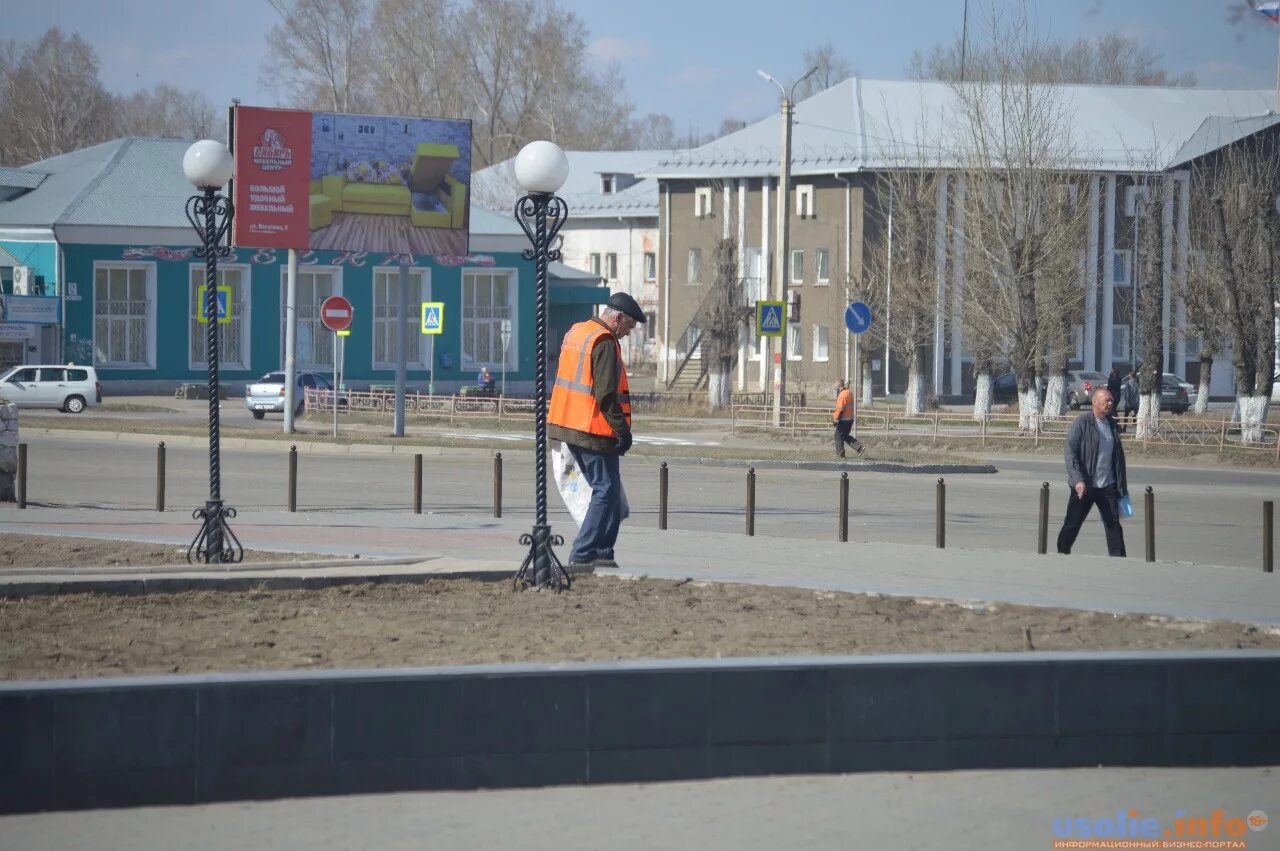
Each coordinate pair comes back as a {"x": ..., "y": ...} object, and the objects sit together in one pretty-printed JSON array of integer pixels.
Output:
[
  {"x": 582, "y": 188},
  {"x": 7, "y": 259},
  {"x": 561, "y": 272},
  {"x": 1218, "y": 131},
  {"x": 866, "y": 125},
  {"x": 20, "y": 178},
  {"x": 134, "y": 182}
]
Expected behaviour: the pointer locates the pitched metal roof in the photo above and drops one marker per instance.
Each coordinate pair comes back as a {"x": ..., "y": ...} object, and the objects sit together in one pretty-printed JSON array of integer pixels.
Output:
[
  {"x": 864, "y": 125},
  {"x": 20, "y": 178},
  {"x": 7, "y": 259},
  {"x": 134, "y": 182},
  {"x": 1218, "y": 131},
  {"x": 582, "y": 188}
]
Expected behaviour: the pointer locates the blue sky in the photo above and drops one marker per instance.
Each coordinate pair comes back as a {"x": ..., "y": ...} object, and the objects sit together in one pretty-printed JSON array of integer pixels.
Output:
[{"x": 695, "y": 60}]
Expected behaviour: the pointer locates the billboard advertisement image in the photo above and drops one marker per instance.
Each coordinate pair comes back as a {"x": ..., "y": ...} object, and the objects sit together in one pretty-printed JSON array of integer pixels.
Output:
[{"x": 351, "y": 182}]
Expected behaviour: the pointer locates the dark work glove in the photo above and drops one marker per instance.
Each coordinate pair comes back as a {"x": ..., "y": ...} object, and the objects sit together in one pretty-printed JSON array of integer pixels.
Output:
[{"x": 624, "y": 442}]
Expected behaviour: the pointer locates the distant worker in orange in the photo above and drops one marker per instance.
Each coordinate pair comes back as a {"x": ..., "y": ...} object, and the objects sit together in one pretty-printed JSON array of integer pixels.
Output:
[
  {"x": 842, "y": 419},
  {"x": 590, "y": 412}
]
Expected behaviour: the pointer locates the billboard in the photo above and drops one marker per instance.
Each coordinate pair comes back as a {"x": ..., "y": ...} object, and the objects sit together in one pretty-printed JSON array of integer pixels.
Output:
[{"x": 323, "y": 180}]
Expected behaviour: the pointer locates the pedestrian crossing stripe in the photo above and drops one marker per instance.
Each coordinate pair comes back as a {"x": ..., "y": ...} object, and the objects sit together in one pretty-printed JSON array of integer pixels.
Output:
[
  {"x": 769, "y": 318},
  {"x": 432, "y": 317}
]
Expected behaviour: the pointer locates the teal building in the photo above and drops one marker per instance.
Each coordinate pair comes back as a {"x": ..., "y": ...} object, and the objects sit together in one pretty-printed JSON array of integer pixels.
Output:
[{"x": 99, "y": 239}]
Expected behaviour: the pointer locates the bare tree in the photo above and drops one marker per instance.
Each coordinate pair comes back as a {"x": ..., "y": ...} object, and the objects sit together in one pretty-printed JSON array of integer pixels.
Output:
[
  {"x": 168, "y": 112},
  {"x": 1242, "y": 183},
  {"x": 51, "y": 99},
  {"x": 655, "y": 132},
  {"x": 1151, "y": 285},
  {"x": 1202, "y": 292},
  {"x": 832, "y": 67},
  {"x": 722, "y": 315},
  {"x": 1022, "y": 238},
  {"x": 1060, "y": 286},
  {"x": 909, "y": 258},
  {"x": 1112, "y": 59},
  {"x": 318, "y": 54},
  {"x": 413, "y": 75}
]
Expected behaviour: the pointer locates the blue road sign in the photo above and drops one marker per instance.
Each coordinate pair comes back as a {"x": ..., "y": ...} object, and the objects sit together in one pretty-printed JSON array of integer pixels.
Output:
[
  {"x": 224, "y": 305},
  {"x": 857, "y": 317},
  {"x": 769, "y": 317}
]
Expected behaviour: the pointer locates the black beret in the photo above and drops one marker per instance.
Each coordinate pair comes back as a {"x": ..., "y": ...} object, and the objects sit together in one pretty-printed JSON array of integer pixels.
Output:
[{"x": 624, "y": 303}]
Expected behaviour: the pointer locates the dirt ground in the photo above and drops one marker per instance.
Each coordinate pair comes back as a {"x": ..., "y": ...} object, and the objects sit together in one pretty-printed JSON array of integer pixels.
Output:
[
  {"x": 463, "y": 621},
  {"x": 17, "y": 550}
]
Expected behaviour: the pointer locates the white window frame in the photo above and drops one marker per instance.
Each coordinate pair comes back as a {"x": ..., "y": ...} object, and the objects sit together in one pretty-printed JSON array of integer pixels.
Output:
[
  {"x": 650, "y": 266},
  {"x": 753, "y": 340},
  {"x": 821, "y": 343},
  {"x": 1131, "y": 194},
  {"x": 608, "y": 184},
  {"x": 702, "y": 206},
  {"x": 1123, "y": 257},
  {"x": 650, "y": 325},
  {"x": 413, "y": 321},
  {"x": 795, "y": 345},
  {"x": 797, "y": 256},
  {"x": 315, "y": 325},
  {"x": 150, "y": 269},
  {"x": 611, "y": 266},
  {"x": 694, "y": 270},
  {"x": 1120, "y": 343},
  {"x": 822, "y": 257},
  {"x": 593, "y": 263},
  {"x": 805, "y": 201},
  {"x": 241, "y": 307},
  {"x": 513, "y": 315}
]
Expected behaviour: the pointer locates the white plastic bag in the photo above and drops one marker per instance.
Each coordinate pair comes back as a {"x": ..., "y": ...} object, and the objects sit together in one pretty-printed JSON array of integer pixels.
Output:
[{"x": 573, "y": 486}]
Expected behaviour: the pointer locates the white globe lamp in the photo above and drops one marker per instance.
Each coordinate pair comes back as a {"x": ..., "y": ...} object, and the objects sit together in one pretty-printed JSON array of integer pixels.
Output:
[
  {"x": 541, "y": 167},
  {"x": 207, "y": 164}
]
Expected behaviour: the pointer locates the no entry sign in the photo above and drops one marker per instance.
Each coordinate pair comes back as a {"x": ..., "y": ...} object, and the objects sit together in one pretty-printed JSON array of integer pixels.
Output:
[{"x": 336, "y": 313}]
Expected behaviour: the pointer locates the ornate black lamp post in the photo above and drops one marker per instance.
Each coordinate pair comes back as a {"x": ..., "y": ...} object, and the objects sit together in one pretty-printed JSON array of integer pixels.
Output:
[
  {"x": 541, "y": 168},
  {"x": 208, "y": 166}
]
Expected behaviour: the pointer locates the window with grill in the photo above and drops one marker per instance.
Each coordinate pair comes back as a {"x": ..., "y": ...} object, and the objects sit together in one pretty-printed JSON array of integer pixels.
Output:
[
  {"x": 386, "y": 304},
  {"x": 488, "y": 299},
  {"x": 233, "y": 336},
  {"x": 313, "y": 345},
  {"x": 123, "y": 316}
]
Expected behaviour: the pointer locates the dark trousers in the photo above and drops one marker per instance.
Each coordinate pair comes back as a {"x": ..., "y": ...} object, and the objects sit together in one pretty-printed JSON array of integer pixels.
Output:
[
  {"x": 843, "y": 436},
  {"x": 1108, "y": 501},
  {"x": 600, "y": 527}
]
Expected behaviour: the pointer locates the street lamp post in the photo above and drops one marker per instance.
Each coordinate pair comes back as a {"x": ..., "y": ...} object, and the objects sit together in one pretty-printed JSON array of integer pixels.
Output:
[
  {"x": 784, "y": 235},
  {"x": 208, "y": 165},
  {"x": 541, "y": 169}
]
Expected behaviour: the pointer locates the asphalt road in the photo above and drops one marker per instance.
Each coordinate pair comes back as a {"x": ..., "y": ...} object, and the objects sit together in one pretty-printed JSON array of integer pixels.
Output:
[{"x": 1207, "y": 516}]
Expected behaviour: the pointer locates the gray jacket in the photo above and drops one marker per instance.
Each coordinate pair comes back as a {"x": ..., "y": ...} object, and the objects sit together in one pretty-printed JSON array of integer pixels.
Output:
[{"x": 1082, "y": 453}]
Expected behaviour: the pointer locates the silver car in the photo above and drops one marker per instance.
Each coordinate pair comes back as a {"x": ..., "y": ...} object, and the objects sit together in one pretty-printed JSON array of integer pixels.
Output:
[{"x": 266, "y": 395}]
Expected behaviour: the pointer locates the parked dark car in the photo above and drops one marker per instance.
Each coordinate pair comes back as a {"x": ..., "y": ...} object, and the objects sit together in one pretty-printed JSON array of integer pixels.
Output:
[
  {"x": 1173, "y": 396},
  {"x": 1004, "y": 390}
]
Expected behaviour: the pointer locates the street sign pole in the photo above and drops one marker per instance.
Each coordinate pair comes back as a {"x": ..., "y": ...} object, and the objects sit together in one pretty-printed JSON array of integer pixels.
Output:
[
  {"x": 857, "y": 375},
  {"x": 335, "y": 383},
  {"x": 506, "y": 342},
  {"x": 857, "y": 320}
]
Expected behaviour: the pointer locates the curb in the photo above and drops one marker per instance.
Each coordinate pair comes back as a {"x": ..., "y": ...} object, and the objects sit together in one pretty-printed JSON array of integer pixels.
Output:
[{"x": 835, "y": 466}]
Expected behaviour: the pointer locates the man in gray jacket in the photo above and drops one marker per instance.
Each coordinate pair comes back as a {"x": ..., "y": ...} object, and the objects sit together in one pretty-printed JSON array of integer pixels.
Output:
[{"x": 1096, "y": 474}]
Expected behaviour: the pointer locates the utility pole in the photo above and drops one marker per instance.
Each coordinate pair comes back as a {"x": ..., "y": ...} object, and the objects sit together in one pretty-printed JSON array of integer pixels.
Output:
[{"x": 784, "y": 234}]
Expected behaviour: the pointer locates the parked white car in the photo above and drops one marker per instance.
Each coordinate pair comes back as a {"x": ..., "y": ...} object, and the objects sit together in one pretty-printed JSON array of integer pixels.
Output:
[
  {"x": 266, "y": 395},
  {"x": 69, "y": 388}
]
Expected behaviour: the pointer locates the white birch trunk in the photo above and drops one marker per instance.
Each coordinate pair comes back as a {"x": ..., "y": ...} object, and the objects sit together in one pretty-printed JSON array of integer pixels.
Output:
[
  {"x": 915, "y": 389},
  {"x": 1253, "y": 415},
  {"x": 1202, "y": 395},
  {"x": 1054, "y": 402},
  {"x": 1148, "y": 415},
  {"x": 1029, "y": 410},
  {"x": 867, "y": 396},
  {"x": 718, "y": 387},
  {"x": 982, "y": 397}
]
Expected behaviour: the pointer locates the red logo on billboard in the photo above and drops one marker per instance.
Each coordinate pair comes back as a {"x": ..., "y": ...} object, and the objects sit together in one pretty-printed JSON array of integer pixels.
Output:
[{"x": 271, "y": 153}]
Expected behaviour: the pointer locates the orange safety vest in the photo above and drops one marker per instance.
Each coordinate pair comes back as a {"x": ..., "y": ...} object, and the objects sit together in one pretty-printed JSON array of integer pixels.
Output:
[
  {"x": 844, "y": 405},
  {"x": 573, "y": 401}
]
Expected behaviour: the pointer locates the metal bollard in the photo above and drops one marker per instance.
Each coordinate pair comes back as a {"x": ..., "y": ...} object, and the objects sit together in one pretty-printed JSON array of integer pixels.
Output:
[
  {"x": 940, "y": 521},
  {"x": 1268, "y": 564},
  {"x": 417, "y": 483},
  {"x": 1149, "y": 509},
  {"x": 751, "y": 501},
  {"x": 497, "y": 484},
  {"x": 160, "y": 477},
  {"x": 1042, "y": 541},
  {"x": 662, "y": 496},
  {"x": 844, "y": 506},
  {"x": 293, "y": 478},
  {"x": 22, "y": 475}
]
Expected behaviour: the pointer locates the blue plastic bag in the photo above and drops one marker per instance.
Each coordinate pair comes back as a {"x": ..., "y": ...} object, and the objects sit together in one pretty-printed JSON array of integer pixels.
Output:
[{"x": 1126, "y": 506}]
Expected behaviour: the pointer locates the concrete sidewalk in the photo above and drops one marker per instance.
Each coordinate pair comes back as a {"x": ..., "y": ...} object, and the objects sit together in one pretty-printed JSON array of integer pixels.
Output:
[
  {"x": 455, "y": 543},
  {"x": 1001, "y": 810}
]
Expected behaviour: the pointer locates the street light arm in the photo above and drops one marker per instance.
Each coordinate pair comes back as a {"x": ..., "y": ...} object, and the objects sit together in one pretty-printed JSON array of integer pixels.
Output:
[
  {"x": 797, "y": 83},
  {"x": 770, "y": 78}
]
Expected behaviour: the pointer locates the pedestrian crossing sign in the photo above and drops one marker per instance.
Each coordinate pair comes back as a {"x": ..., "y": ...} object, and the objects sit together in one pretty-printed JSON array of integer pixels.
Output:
[
  {"x": 433, "y": 317},
  {"x": 224, "y": 305},
  {"x": 769, "y": 318}
]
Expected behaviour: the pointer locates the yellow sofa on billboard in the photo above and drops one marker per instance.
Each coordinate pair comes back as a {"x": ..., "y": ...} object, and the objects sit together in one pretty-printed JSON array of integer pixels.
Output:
[{"x": 432, "y": 198}]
